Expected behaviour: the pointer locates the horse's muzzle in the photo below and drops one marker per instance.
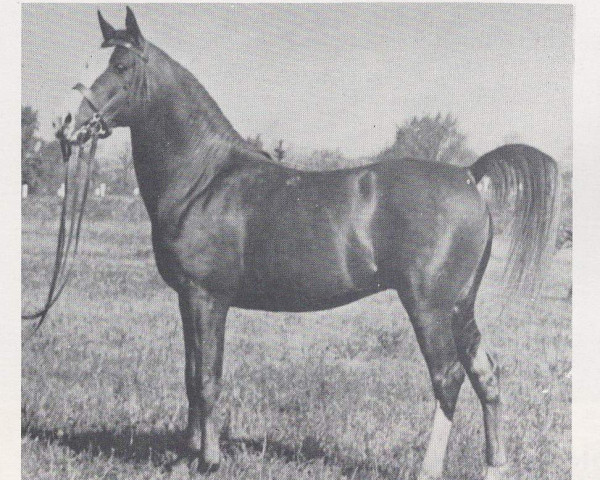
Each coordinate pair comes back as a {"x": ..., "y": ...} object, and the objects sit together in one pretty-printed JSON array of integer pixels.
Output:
[{"x": 89, "y": 119}]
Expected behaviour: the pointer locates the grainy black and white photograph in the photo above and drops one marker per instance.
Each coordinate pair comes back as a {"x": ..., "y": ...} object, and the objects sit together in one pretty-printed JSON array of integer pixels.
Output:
[{"x": 296, "y": 241}]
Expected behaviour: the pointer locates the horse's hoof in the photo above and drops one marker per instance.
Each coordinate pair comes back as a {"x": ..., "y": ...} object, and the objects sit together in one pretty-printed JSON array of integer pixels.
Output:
[
  {"x": 497, "y": 473},
  {"x": 185, "y": 468},
  {"x": 179, "y": 469}
]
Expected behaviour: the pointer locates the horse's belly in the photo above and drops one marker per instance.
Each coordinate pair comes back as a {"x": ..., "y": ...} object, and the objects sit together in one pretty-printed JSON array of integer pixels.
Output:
[
  {"x": 309, "y": 280},
  {"x": 284, "y": 300}
]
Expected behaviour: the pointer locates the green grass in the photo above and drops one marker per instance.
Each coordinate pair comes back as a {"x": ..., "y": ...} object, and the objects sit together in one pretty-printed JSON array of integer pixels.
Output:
[{"x": 327, "y": 395}]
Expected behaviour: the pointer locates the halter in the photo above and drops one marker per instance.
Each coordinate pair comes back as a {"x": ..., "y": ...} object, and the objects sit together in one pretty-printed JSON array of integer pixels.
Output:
[{"x": 97, "y": 123}]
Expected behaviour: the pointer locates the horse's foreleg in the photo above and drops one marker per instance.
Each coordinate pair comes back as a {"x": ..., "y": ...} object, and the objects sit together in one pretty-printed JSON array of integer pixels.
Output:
[{"x": 203, "y": 318}]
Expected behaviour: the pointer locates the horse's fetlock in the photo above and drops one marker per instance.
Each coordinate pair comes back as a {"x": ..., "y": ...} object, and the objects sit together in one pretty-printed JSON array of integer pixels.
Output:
[
  {"x": 490, "y": 388},
  {"x": 483, "y": 364}
]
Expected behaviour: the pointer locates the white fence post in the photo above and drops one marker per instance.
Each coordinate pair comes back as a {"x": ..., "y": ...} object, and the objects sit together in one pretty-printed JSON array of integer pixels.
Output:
[
  {"x": 61, "y": 191},
  {"x": 24, "y": 190},
  {"x": 100, "y": 191}
]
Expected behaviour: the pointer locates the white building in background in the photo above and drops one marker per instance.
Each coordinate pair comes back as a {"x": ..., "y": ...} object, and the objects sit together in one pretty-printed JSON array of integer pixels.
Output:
[{"x": 100, "y": 191}]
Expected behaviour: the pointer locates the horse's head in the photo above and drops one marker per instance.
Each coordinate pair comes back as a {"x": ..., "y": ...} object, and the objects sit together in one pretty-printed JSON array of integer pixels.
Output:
[{"x": 114, "y": 97}]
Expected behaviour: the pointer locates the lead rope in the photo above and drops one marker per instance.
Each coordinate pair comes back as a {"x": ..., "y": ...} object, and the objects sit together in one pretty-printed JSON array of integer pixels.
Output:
[{"x": 57, "y": 284}]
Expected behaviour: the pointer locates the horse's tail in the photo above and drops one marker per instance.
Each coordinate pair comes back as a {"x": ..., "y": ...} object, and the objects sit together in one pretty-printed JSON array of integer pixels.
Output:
[{"x": 525, "y": 182}]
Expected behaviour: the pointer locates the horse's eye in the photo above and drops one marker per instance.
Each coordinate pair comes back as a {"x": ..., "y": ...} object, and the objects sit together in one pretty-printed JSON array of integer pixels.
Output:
[{"x": 120, "y": 68}]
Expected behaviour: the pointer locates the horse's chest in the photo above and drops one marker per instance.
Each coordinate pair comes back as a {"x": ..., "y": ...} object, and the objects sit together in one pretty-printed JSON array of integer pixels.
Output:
[{"x": 205, "y": 249}]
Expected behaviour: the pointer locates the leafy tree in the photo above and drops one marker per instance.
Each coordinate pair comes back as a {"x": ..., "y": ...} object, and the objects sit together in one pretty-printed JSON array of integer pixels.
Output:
[
  {"x": 436, "y": 139},
  {"x": 41, "y": 165},
  {"x": 326, "y": 159},
  {"x": 29, "y": 125},
  {"x": 51, "y": 166},
  {"x": 126, "y": 160},
  {"x": 255, "y": 142},
  {"x": 30, "y": 158},
  {"x": 567, "y": 201},
  {"x": 279, "y": 151}
]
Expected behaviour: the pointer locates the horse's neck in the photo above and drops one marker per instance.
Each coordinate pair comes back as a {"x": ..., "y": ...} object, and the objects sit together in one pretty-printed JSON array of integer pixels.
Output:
[
  {"x": 167, "y": 170},
  {"x": 181, "y": 139}
]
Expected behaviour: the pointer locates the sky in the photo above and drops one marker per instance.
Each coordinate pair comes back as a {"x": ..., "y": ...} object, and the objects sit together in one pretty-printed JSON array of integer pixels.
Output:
[{"x": 338, "y": 76}]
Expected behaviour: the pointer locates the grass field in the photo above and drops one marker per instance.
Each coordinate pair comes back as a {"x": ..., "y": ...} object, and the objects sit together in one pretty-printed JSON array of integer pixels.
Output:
[{"x": 328, "y": 395}]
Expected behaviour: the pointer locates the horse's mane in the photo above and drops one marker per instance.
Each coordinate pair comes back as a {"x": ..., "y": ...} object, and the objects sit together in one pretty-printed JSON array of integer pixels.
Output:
[{"x": 213, "y": 118}]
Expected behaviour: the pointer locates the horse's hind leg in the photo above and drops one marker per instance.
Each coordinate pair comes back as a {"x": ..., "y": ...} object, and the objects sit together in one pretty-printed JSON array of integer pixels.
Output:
[
  {"x": 433, "y": 328},
  {"x": 483, "y": 372}
]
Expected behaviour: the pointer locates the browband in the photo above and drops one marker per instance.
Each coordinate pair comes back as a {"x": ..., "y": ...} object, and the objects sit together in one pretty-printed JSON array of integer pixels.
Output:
[{"x": 118, "y": 42}]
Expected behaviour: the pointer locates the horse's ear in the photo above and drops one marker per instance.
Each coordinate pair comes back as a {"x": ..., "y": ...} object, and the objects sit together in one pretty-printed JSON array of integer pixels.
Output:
[
  {"x": 132, "y": 26},
  {"x": 108, "y": 31}
]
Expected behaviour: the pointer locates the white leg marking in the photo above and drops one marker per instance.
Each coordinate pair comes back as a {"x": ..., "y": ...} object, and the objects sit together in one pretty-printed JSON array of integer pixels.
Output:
[
  {"x": 433, "y": 464},
  {"x": 497, "y": 473}
]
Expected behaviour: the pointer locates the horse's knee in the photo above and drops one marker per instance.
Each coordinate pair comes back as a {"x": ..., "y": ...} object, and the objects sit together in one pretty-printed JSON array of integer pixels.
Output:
[{"x": 446, "y": 386}]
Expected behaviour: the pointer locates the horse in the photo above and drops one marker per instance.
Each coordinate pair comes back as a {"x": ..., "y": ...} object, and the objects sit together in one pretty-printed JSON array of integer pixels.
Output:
[{"x": 233, "y": 228}]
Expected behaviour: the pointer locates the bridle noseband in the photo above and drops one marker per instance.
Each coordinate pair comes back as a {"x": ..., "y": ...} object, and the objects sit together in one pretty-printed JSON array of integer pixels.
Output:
[{"x": 96, "y": 125}]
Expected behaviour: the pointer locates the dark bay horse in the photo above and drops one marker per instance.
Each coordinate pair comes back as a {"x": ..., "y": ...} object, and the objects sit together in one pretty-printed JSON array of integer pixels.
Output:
[{"x": 231, "y": 227}]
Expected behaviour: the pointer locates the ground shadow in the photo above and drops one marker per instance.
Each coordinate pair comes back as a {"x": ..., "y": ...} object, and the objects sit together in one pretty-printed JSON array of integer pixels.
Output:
[
  {"x": 162, "y": 448},
  {"x": 128, "y": 445},
  {"x": 308, "y": 451}
]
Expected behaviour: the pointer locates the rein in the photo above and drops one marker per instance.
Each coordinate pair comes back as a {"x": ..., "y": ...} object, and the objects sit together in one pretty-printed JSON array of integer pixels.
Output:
[{"x": 95, "y": 129}]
